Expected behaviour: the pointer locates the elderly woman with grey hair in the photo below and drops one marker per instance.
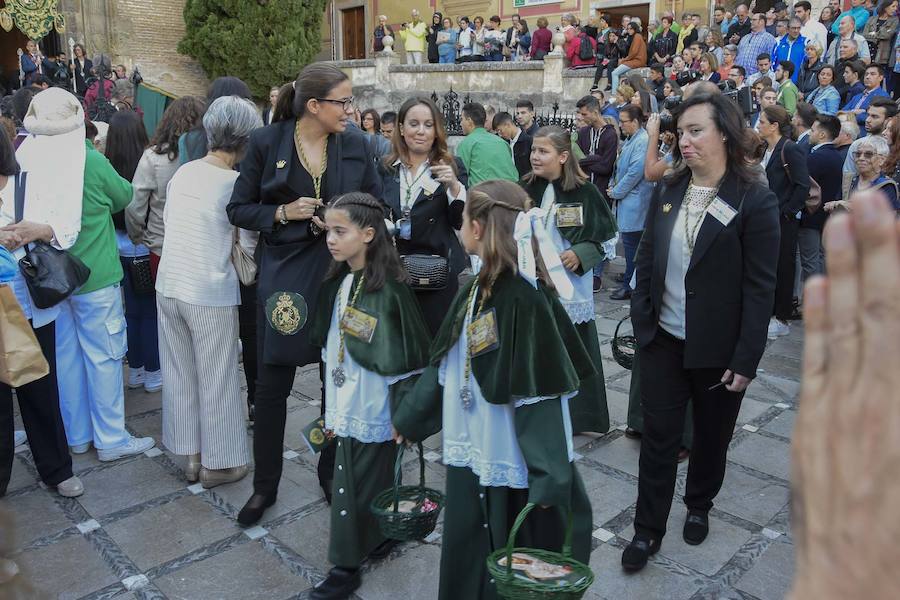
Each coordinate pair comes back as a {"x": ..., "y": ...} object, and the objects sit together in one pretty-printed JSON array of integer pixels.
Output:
[{"x": 197, "y": 293}]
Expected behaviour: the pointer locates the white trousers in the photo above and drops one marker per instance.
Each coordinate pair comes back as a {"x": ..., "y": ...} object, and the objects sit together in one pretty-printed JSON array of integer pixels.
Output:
[
  {"x": 91, "y": 341},
  {"x": 202, "y": 408},
  {"x": 414, "y": 58}
]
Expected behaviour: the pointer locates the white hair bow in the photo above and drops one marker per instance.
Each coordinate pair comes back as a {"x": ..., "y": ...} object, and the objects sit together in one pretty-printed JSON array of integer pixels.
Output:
[{"x": 532, "y": 224}]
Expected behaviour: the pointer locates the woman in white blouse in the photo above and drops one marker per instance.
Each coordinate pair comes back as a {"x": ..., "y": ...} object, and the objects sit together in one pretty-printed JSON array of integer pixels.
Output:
[{"x": 198, "y": 293}]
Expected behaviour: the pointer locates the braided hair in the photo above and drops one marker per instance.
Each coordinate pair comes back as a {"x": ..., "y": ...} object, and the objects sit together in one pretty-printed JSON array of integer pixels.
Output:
[
  {"x": 496, "y": 205},
  {"x": 382, "y": 260}
]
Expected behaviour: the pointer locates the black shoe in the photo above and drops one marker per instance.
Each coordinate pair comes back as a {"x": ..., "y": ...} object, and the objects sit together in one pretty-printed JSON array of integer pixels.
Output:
[
  {"x": 621, "y": 294},
  {"x": 598, "y": 284},
  {"x": 633, "y": 434},
  {"x": 635, "y": 556},
  {"x": 383, "y": 549},
  {"x": 696, "y": 527},
  {"x": 339, "y": 584},
  {"x": 254, "y": 508}
]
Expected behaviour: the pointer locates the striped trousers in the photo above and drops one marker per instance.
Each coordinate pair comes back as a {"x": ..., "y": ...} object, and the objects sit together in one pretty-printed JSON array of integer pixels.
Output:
[{"x": 201, "y": 397}]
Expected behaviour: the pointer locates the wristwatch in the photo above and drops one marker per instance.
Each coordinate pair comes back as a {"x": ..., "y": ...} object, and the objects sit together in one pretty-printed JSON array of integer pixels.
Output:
[{"x": 282, "y": 215}]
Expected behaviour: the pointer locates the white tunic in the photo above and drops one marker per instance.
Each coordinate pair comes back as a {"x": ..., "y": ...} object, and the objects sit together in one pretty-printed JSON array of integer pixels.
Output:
[
  {"x": 361, "y": 408},
  {"x": 483, "y": 437},
  {"x": 580, "y": 307}
]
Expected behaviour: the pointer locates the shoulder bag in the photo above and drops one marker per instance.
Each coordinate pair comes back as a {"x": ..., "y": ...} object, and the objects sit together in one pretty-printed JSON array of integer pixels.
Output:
[
  {"x": 242, "y": 260},
  {"x": 813, "y": 196},
  {"x": 51, "y": 275}
]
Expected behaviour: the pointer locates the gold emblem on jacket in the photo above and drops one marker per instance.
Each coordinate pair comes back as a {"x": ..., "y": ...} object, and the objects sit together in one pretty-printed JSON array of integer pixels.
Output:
[
  {"x": 286, "y": 312},
  {"x": 667, "y": 207},
  {"x": 281, "y": 164}
]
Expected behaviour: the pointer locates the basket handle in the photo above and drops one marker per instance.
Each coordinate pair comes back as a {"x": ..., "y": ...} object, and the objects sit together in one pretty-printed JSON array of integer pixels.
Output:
[
  {"x": 398, "y": 473},
  {"x": 511, "y": 540},
  {"x": 619, "y": 324}
]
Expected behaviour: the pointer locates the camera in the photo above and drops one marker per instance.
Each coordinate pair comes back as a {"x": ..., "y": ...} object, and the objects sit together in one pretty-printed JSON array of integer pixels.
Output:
[
  {"x": 742, "y": 97},
  {"x": 686, "y": 77}
]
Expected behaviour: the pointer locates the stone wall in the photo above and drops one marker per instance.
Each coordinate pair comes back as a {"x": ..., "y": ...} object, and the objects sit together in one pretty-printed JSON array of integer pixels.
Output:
[
  {"x": 138, "y": 32},
  {"x": 384, "y": 84}
]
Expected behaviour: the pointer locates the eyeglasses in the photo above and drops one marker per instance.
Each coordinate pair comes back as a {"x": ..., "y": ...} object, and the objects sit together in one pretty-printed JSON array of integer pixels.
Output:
[
  {"x": 346, "y": 103},
  {"x": 868, "y": 154}
]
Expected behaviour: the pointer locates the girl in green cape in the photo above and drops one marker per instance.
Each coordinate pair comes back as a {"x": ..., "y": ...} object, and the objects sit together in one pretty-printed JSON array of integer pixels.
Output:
[
  {"x": 374, "y": 341},
  {"x": 503, "y": 367},
  {"x": 584, "y": 233}
]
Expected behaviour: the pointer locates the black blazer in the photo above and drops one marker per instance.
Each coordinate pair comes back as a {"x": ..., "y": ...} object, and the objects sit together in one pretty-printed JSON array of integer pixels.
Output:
[
  {"x": 729, "y": 284},
  {"x": 522, "y": 154},
  {"x": 289, "y": 257},
  {"x": 435, "y": 220},
  {"x": 825, "y": 166},
  {"x": 791, "y": 190}
]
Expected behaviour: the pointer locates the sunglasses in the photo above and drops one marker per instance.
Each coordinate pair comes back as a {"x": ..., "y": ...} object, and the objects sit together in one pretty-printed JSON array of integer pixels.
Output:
[{"x": 864, "y": 154}]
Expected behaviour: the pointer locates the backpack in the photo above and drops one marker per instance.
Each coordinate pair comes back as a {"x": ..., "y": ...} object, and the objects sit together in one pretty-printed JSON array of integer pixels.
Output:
[{"x": 585, "y": 50}]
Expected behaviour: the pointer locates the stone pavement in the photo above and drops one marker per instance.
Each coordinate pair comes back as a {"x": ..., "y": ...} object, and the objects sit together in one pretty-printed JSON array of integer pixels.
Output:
[{"x": 140, "y": 531}]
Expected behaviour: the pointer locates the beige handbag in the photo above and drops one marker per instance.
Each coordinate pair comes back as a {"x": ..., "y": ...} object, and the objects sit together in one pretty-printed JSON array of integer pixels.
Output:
[
  {"x": 21, "y": 358},
  {"x": 243, "y": 261}
]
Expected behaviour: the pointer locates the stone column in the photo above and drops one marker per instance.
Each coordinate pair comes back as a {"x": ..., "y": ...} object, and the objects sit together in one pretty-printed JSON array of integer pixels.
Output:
[
  {"x": 553, "y": 73},
  {"x": 383, "y": 62}
]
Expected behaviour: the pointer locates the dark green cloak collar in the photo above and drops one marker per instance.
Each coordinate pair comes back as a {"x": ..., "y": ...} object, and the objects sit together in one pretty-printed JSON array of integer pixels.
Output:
[
  {"x": 400, "y": 343},
  {"x": 540, "y": 352}
]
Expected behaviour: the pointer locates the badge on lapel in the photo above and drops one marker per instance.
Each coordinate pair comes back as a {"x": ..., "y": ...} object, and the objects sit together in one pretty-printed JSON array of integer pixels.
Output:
[
  {"x": 666, "y": 208},
  {"x": 286, "y": 312},
  {"x": 281, "y": 164}
]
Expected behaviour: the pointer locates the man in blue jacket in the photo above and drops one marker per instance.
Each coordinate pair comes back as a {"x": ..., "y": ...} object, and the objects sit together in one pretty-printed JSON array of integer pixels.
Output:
[
  {"x": 791, "y": 47},
  {"x": 860, "y": 102}
]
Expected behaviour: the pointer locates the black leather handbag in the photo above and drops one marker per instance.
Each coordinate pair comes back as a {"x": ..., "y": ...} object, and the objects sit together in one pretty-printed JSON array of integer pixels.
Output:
[
  {"x": 141, "y": 277},
  {"x": 51, "y": 275},
  {"x": 426, "y": 271}
]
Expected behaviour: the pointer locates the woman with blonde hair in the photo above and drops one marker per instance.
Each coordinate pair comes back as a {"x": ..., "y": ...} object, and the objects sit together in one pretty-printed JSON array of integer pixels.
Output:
[{"x": 709, "y": 67}]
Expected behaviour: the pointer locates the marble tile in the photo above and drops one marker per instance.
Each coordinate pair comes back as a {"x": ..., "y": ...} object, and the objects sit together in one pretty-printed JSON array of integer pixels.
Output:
[
  {"x": 308, "y": 537},
  {"x": 34, "y": 515},
  {"x": 621, "y": 454},
  {"x": 772, "y": 573},
  {"x": 124, "y": 485},
  {"x": 764, "y": 454},
  {"x": 70, "y": 578},
  {"x": 654, "y": 582}
]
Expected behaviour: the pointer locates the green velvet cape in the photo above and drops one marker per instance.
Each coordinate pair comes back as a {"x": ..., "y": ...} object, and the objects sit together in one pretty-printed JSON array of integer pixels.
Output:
[
  {"x": 400, "y": 342},
  {"x": 599, "y": 222}
]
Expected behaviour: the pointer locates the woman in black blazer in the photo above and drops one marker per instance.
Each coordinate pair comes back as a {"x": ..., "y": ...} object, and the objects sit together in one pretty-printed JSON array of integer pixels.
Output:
[
  {"x": 789, "y": 179},
  {"x": 705, "y": 273},
  {"x": 292, "y": 169},
  {"x": 81, "y": 66},
  {"x": 423, "y": 188}
]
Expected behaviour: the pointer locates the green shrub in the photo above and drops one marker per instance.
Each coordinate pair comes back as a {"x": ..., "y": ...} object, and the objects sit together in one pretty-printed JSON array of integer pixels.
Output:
[{"x": 264, "y": 42}]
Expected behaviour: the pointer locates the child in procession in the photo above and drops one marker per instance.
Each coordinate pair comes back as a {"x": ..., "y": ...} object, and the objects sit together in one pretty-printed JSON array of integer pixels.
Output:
[
  {"x": 498, "y": 386},
  {"x": 583, "y": 230},
  {"x": 374, "y": 341}
]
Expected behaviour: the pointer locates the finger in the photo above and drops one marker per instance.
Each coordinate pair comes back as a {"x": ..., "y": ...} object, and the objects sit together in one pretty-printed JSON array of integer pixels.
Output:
[
  {"x": 876, "y": 236},
  {"x": 727, "y": 376},
  {"x": 843, "y": 300},
  {"x": 815, "y": 324}
]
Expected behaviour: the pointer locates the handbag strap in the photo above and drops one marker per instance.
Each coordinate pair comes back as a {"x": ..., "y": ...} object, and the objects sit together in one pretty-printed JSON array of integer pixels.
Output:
[{"x": 21, "y": 178}]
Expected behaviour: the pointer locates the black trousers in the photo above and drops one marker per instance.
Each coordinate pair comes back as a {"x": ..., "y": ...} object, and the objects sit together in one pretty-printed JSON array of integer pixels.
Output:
[
  {"x": 247, "y": 332},
  {"x": 666, "y": 387},
  {"x": 609, "y": 68},
  {"x": 273, "y": 385},
  {"x": 787, "y": 267},
  {"x": 39, "y": 406}
]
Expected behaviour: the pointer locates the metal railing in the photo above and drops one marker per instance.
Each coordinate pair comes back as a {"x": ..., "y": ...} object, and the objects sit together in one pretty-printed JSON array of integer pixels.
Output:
[{"x": 451, "y": 110}]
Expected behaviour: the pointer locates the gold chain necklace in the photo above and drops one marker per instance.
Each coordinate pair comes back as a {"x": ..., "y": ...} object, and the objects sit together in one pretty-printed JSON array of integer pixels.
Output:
[
  {"x": 337, "y": 374},
  {"x": 317, "y": 178},
  {"x": 465, "y": 394},
  {"x": 690, "y": 233}
]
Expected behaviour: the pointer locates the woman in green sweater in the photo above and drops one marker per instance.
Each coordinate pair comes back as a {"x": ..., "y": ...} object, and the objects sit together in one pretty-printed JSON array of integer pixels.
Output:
[{"x": 90, "y": 330}]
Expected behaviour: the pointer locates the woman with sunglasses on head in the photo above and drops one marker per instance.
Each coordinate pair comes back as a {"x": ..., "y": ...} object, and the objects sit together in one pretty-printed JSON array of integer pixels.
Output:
[{"x": 291, "y": 171}]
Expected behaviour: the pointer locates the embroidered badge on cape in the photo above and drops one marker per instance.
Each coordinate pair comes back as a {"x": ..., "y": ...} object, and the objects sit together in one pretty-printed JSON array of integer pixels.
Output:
[{"x": 286, "y": 312}]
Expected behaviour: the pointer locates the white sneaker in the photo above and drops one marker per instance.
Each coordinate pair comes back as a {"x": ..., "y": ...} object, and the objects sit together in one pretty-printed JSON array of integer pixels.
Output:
[
  {"x": 153, "y": 381},
  {"x": 19, "y": 438},
  {"x": 130, "y": 448},
  {"x": 777, "y": 329},
  {"x": 70, "y": 488},
  {"x": 80, "y": 448},
  {"x": 135, "y": 378}
]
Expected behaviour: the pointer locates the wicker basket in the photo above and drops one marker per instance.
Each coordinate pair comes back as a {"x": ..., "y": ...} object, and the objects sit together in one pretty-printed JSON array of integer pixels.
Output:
[
  {"x": 511, "y": 587},
  {"x": 624, "y": 347},
  {"x": 407, "y": 526}
]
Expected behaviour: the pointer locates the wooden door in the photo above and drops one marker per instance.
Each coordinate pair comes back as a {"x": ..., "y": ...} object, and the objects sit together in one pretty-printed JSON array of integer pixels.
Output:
[{"x": 354, "y": 32}]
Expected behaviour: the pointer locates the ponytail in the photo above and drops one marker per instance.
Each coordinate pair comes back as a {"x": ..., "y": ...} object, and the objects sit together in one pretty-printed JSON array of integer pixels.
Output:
[{"x": 283, "y": 103}]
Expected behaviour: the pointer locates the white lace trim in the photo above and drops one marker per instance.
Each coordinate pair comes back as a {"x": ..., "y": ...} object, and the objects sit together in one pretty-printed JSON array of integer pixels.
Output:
[
  {"x": 490, "y": 474},
  {"x": 347, "y": 426},
  {"x": 580, "y": 311},
  {"x": 609, "y": 247}
]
